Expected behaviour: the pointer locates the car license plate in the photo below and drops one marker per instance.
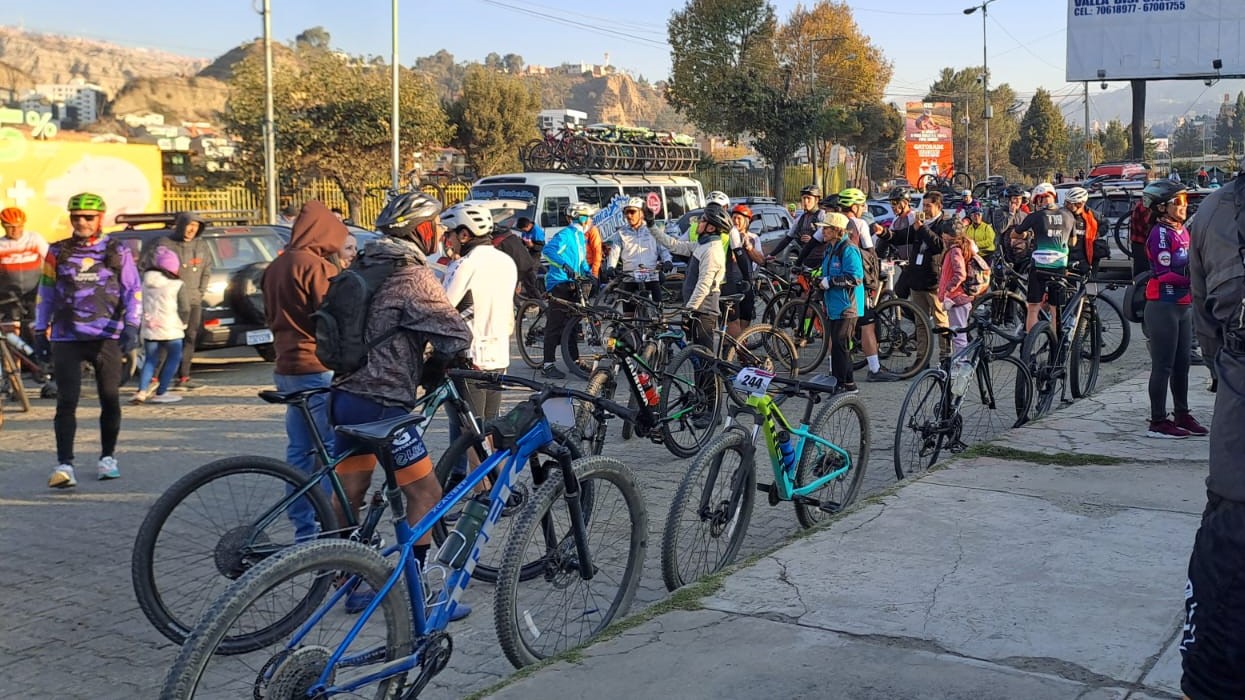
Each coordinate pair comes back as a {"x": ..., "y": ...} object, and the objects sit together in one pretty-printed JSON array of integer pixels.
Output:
[{"x": 258, "y": 337}]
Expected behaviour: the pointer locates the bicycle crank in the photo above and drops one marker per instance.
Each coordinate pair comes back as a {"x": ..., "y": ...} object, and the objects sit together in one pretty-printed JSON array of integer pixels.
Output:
[{"x": 434, "y": 653}]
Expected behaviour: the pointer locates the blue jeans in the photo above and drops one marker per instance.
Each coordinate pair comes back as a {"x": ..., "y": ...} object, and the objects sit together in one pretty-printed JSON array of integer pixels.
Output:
[
  {"x": 300, "y": 451},
  {"x": 152, "y": 348}
]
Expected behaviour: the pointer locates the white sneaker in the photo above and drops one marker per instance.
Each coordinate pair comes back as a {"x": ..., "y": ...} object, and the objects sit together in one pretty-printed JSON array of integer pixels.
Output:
[
  {"x": 139, "y": 397},
  {"x": 62, "y": 477},
  {"x": 165, "y": 398},
  {"x": 108, "y": 468}
]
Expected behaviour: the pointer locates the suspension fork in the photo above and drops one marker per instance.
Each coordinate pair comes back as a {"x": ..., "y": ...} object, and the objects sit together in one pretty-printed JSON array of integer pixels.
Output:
[{"x": 579, "y": 529}]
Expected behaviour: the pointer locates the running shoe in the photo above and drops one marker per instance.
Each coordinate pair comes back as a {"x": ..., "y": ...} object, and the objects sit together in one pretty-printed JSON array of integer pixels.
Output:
[
  {"x": 108, "y": 468},
  {"x": 882, "y": 375},
  {"x": 1187, "y": 422},
  {"x": 165, "y": 398},
  {"x": 1167, "y": 430},
  {"x": 62, "y": 477},
  {"x": 552, "y": 372}
]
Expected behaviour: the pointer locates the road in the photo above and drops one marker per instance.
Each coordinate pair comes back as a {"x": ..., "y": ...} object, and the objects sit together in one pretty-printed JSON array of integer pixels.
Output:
[{"x": 71, "y": 627}]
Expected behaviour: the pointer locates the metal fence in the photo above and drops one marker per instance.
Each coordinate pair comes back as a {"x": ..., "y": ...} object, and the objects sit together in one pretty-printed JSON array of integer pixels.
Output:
[{"x": 756, "y": 183}]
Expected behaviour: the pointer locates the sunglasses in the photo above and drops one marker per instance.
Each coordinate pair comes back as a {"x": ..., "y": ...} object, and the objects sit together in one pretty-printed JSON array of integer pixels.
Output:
[
  {"x": 83, "y": 217},
  {"x": 1179, "y": 200}
]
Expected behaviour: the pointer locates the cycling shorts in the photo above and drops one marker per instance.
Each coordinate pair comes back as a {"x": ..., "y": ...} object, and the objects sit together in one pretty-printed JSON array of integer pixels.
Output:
[
  {"x": 745, "y": 310},
  {"x": 411, "y": 459},
  {"x": 1039, "y": 280},
  {"x": 1212, "y": 644}
]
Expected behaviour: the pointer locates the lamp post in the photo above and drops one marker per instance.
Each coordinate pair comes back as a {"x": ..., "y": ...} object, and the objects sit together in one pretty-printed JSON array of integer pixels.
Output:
[
  {"x": 395, "y": 151},
  {"x": 270, "y": 136},
  {"x": 988, "y": 112},
  {"x": 967, "y": 121}
]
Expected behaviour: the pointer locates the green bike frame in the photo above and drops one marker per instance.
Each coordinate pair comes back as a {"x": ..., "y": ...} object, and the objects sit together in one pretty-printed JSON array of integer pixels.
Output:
[{"x": 772, "y": 423}]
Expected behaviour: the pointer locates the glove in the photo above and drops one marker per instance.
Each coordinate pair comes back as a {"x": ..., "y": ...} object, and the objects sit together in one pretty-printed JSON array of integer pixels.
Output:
[
  {"x": 842, "y": 281},
  {"x": 666, "y": 266},
  {"x": 129, "y": 339},
  {"x": 825, "y": 283},
  {"x": 42, "y": 346},
  {"x": 433, "y": 374},
  {"x": 649, "y": 217}
]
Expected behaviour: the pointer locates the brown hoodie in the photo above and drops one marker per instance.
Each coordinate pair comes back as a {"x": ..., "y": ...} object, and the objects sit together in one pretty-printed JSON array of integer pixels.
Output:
[{"x": 295, "y": 284}]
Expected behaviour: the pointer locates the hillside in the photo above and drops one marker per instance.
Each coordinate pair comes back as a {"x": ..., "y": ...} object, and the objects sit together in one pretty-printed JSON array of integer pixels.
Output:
[{"x": 196, "y": 99}]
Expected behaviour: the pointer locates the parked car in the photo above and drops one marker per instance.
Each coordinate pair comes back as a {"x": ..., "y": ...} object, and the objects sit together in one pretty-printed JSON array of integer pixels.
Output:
[
  {"x": 881, "y": 212},
  {"x": 771, "y": 220},
  {"x": 1120, "y": 170},
  {"x": 233, "y": 312}
]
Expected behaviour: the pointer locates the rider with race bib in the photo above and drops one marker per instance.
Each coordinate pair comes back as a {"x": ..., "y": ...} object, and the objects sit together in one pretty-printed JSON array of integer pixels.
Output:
[
  {"x": 636, "y": 249},
  {"x": 1052, "y": 231}
]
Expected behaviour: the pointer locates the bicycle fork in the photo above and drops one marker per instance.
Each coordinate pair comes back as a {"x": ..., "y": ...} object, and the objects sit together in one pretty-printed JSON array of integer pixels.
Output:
[
  {"x": 707, "y": 510},
  {"x": 575, "y": 506}
]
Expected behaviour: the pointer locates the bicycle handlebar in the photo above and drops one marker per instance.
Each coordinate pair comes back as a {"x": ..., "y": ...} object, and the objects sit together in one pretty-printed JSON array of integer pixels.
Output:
[
  {"x": 795, "y": 385},
  {"x": 545, "y": 391}
]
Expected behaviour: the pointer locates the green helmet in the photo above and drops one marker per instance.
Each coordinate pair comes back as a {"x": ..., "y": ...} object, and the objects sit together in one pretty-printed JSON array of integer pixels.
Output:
[
  {"x": 86, "y": 202},
  {"x": 851, "y": 196}
]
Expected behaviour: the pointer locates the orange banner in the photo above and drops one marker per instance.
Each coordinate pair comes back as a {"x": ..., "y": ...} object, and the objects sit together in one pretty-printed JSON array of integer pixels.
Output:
[{"x": 929, "y": 147}]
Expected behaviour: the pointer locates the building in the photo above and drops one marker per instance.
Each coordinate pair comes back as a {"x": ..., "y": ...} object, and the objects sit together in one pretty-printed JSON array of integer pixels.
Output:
[
  {"x": 553, "y": 119},
  {"x": 83, "y": 100}
]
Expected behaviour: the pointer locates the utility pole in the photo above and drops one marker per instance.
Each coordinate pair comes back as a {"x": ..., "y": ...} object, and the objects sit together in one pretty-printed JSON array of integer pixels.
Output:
[
  {"x": 988, "y": 111},
  {"x": 395, "y": 171},
  {"x": 270, "y": 135},
  {"x": 1089, "y": 137}
]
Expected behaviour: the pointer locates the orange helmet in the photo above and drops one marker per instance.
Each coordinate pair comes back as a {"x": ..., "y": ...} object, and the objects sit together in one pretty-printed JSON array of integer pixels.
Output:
[
  {"x": 13, "y": 216},
  {"x": 742, "y": 209}
]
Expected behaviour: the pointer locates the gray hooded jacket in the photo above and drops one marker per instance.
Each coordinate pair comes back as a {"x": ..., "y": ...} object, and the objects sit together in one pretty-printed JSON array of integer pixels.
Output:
[{"x": 195, "y": 256}]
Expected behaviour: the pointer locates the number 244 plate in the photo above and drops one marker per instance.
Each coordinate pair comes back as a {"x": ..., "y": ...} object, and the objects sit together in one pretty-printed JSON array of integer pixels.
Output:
[{"x": 754, "y": 381}]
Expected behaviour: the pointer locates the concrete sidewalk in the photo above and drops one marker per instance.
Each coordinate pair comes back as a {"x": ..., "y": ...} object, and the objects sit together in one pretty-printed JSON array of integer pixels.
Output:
[{"x": 998, "y": 577}]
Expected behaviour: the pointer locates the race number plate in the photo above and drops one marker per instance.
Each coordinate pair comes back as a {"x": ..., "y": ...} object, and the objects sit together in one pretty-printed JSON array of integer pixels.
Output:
[
  {"x": 258, "y": 337},
  {"x": 645, "y": 275},
  {"x": 754, "y": 381},
  {"x": 559, "y": 411}
]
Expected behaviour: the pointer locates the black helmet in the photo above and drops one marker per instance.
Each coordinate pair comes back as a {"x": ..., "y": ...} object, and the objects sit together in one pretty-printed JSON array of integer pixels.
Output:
[
  {"x": 813, "y": 190},
  {"x": 1013, "y": 191},
  {"x": 830, "y": 201},
  {"x": 716, "y": 215},
  {"x": 411, "y": 216},
  {"x": 1160, "y": 192},
  {"x": 899, "y": 194}
]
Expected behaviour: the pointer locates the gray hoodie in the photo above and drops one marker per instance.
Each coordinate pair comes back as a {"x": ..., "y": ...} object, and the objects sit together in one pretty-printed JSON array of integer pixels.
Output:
[{"x": 195, "y": 256}]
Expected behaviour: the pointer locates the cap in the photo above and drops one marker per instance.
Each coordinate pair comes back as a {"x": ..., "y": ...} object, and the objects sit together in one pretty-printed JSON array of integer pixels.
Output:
[{"x": 834, "y": 219}]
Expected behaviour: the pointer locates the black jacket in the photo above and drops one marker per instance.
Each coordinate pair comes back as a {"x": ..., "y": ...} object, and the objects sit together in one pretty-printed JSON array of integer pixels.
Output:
[
  {"x": 924, "y": 242},
  {"x": 195, "y": 256}
]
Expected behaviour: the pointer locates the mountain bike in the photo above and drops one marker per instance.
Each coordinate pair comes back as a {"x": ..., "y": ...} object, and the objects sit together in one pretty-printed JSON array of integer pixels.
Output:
[
  {"x": 1067, "y": 348},
  {"x": 818, "y": 465},
  {"x": 945, "y": 409},
  {"x": 591, "y": 553},
  {"x": 11, "y": 387}
]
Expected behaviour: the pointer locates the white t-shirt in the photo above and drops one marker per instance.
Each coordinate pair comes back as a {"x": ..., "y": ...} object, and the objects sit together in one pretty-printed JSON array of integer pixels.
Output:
[{"x": 491, "y": 277}]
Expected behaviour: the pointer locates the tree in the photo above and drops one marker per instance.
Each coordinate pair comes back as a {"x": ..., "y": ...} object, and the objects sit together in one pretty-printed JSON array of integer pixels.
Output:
[
  {"x": 1237, "y": 136},
  {"x": 1115, "y": 141},
  {"x": 493, "y": 61},
  {"x": 780, "y": 123},
  {"x": 963, "y": 89},
  {"x": 1186, "y": 140},
  {"x": 445, "y": 74},
  {"x": 314, "y": 38},
  {"x": 1043, "y": 138},
  {"x": 494, "y": 117},
  {"x": 332, "y": 119},
  {"x": 513, "y": 63}
]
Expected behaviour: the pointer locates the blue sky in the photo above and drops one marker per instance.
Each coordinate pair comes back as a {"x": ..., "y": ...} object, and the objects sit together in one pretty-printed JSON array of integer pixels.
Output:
[{"x": 918, "y": 37}]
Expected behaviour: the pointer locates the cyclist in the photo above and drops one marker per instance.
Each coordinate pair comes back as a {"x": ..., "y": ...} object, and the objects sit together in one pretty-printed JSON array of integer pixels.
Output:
[
  {"x": 981, "y": 233},
  {"x": 1051, "y": 230},
  {"x": 852, "y": 201},
  {"x": 922, "y": 241},
  {"x": 88, "y": 310},
  {"x": 21, "y": 256},
  {"x": 594, "y": 248},
  {"x": 636, "y": 249},
  {"x": 805, "y": 224},
  {"x": 187, "y": 243},
  {"x": 512, "y": 245},
  {"x": 385, "y": 386},
  {"x": 1088, "y": 247},
  {"x": 960, "y": 247},
  {"x": 1015, "y": 248},
  {"x": 706, "y": 269},
  {"x": 966, "y": 204},
  {"x": 742, "y": 217},
  {"x": 568, "y": 261},
  {"x": 842, "y": 278},
  {"x": 1168, "y": 314}
]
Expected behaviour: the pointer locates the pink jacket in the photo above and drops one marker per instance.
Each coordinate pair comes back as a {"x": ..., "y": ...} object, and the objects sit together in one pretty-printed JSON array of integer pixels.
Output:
[{"x": 954, "y": 272}]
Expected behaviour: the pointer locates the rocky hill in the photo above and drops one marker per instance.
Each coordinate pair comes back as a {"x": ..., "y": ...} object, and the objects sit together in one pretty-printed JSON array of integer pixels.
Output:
[{"x": 196, "y": 99}]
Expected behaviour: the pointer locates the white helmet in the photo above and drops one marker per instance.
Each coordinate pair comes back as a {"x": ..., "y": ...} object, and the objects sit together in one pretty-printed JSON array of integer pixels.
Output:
[
  {"x": 966, "y": 193},
  {"x": 476, "y": 219},
  {"x": 578, "y": 209},
  {"x": 1076, "y": 195},
  {"x": 1043, "y": 188},
  {"x": 719, "y": 198},
  {"x": 634, "y": 203}
]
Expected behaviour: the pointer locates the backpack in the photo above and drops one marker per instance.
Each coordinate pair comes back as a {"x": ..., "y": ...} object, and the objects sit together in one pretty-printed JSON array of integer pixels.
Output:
[
  {"x": 977, "y": 282},
  {"x": 341, "y": 320},
  {"x": 873, "y": 270}
]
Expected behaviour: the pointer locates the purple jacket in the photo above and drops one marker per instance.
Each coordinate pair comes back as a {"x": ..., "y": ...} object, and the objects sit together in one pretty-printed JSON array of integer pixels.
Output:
[
  {"x": 88, "y": 291},
  {"x": 1168, "y": 251}
]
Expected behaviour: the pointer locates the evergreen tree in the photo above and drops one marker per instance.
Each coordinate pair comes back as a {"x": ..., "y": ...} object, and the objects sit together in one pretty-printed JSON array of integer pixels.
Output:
[
  {"x": 1043, "y": 138},
  {"x": 494, "y": 117}
]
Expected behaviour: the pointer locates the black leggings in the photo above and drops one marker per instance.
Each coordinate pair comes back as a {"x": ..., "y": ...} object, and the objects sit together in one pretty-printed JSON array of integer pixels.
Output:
[
  {"x": 556, "y": 317},
  {"x": 1171, "y": 334},
  {"x": 192, "y": 334},
  {"x": 841, "y": 332},
  {"x": 105, "y": 357}
]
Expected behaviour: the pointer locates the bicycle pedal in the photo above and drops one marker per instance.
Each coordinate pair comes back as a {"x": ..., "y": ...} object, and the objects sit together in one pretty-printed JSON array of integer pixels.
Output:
[{"x": 771, "y": 491}]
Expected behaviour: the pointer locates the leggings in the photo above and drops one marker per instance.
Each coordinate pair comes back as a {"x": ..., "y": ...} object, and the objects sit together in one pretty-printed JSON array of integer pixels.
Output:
[
  {"x": 1171, "y": 333},
  {"x": 841, "y": 331},
  {"x": 67, "y": 358},
  {"x": 556, "y": 318}
]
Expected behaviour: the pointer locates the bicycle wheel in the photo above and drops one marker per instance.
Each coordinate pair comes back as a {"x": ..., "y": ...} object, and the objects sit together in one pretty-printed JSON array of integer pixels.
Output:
[
  {"x": 191, "y": 545},
  {"x": 13, "y": 377},
  {"x": 1116, "y": 332},
  {"x": 845, "y": 423},
  {"x": 691, "y": 401},
  {"x": 588, "y": 429},
  {"x": 649, "y": 355},
  {"x": 776, "y": 302},
  {"x": 530, "y": 333},
  {"x": 1120, "y": 231},
  {"x": 998, "y": 401},
  {"x": 962, "y": 181},
  {"x": 541, "y": 156},
  {"x": 1086, "y": 356},
  {"x": 560, "y": 610},
  {"x": 904, "y": 337},
  {"x": 1038, "y": 353},
  {"x": 762, "y": 347},
  {"x": 583, "y": 338},
  {"x": 709, "y": 515},
  {"x": 1006, "y": 311},
  {"x": 919, "y": 432},
  {"x": 806, "y": 323},
  {"x": 281, "y": 582}
]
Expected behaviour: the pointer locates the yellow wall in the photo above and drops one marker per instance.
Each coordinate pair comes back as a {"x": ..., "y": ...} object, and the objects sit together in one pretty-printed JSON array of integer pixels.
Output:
[{"x": 40, "y": 177}]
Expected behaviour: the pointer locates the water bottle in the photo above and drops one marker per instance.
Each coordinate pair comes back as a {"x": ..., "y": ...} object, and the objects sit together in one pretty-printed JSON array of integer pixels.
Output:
[
  {"x": 961, "y": 374},
  {"x": 650, "y": 390},
  {"x": 786, "y": 448},
  {"x": 457, "y": 545},
  {"x": 16, "y": 341}
]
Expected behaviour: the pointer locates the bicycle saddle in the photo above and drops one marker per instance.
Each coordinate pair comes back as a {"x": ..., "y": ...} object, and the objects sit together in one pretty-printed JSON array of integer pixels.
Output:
[
  {"x": 381, "y": 431},
  {"x": 821, "y": 382},
  {"x": 732, "y": 298},
  {"x": 289, "y": 397}
]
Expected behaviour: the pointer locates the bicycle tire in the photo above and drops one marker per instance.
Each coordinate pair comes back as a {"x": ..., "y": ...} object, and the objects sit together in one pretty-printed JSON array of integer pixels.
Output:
[
  {"x": 738, "y": 487},
  {"x": 962, "y": 181},
  {"x": 766, "y": 348},
  {"x": 155, "y": 597},
  {"x": 1006, "y": 310},
  {"x": 805, "y": 322},
  {"x": 1117, "y": 333},
  {"x": 590, "y": 431},
  {"x": 816, "y": 461},
  {"x": 918, "y": 425},
  {"x": 685, "y": 397},
  {"x": 987, "y": 409},
  {"x": 530, "y": 333},
  {"x": 1086, "y": 357},
  {"x": 923, "y": 182},
  {"x": 593, "y": 331},
  {"x": 776, "y": 302},
  {"x": 903, "y": 332},
  {"x": 1122, "y": 235},
  {"x": 13, "y": 377},
  {"x": 323, "y": 560},
  {"x": 513, "y": 616},
  {"x": 1038, "y": 353}
]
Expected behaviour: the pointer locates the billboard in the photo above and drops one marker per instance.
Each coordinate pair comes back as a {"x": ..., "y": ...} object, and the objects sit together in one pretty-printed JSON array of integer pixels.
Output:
[
  {"x": 928, "y": 148},
  {"x": 1154, "y": 39}
]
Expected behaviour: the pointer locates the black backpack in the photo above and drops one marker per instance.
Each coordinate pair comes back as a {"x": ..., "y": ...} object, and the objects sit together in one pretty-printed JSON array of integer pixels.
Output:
[{"x": 341, "y": 320}]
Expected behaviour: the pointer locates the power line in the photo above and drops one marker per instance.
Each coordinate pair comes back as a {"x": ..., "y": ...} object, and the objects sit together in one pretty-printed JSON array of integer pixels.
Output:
[
  {"x": 1024, "y": 46},
  {"x": 576, "y": 24}
]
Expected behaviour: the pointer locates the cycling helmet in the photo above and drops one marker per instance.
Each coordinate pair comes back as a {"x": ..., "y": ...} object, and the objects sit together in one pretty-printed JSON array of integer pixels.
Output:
[
  {"x": 476, "y": 219},
  {"x": 1076, "y": 195},
  {"x": 1014, "y": 191},
  {"x": 899, "y": 194},
  {"x": 1043, "y": 188},
  {"x": 634, "y": 203},
  {"x": 578, "y": 209},
  {"x": 830, "y": 201},
  {"x": 742, "y": 210},
  {"x": 966, "y": 193},
  {"x": 717, "y": 216},
  {"x": 1160, "y": 192},
  {"x": 411, "y": 216},
  {"x": 13, "y": 216},
  {"x": 1024, "y": 194},
  {"x": 718, "y": 198},
  {"x": 811, "y": 191},
  {"x": 851, "y": 197},
  {"x": 86, "y": 202}
]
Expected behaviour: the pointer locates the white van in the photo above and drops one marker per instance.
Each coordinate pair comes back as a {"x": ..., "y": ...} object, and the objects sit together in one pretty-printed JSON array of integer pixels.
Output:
[{"x": 548, "y": 194}]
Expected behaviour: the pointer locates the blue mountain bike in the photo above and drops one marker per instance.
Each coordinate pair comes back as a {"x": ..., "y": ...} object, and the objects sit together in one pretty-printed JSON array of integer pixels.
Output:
[{"x": 584, "y": 529}]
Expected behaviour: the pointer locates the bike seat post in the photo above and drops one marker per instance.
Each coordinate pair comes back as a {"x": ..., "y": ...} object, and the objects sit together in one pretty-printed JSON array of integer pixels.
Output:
[{"x": 317, "y": 440}]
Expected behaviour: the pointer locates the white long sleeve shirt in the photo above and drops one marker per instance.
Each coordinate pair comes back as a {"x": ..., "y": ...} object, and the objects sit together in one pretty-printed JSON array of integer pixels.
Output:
[
  {"x": 637, "y": 248},
  {"x": 490, "y": 276}
]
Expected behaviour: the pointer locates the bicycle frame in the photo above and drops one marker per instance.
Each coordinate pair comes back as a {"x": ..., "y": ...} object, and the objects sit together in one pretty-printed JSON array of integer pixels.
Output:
[{"x": 770, "y": 421}]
